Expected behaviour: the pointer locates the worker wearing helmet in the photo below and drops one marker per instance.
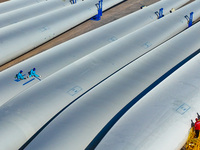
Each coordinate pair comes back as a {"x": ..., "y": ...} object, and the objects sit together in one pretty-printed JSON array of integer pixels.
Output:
[
  {"x": 197, "y": 127},
  {"x": 20, "y": 76},
  {"x": 32, "y": 73}
]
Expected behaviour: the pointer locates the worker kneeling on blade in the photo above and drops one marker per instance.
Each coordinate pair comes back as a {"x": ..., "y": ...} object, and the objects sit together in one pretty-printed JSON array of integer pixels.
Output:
[
  {"x": 32, "y": 73},
  {"x": 19, "y": 76}
]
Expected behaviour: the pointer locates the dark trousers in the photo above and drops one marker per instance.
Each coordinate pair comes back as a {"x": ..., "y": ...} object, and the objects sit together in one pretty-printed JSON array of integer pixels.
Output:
[{"x": 197, "y": 133}]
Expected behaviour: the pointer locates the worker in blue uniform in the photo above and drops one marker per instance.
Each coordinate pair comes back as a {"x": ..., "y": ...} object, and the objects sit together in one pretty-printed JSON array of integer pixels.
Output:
[
  {"x": 32, "y": 73},
  {"x": 20, "y": 76}
]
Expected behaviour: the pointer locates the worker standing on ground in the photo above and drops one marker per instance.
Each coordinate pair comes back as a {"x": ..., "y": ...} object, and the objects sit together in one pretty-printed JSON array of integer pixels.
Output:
[
  {"x": 32, "y": 73},
  {"x": 197, "y": 127}
]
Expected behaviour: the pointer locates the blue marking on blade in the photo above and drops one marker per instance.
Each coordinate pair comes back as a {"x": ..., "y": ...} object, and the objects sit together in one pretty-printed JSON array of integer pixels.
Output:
[
  {"x": 38, "y": 78},
  {"x": 74, "y": 90},
  {"x": 113, "y": 39},
  {"x": 42, "y": 29},
  {"x": 183, "y": 108},
  {"x": 17, "y": 80},
  {"x": 29, "y": 81},
  {"x": 147, "y": 45}
]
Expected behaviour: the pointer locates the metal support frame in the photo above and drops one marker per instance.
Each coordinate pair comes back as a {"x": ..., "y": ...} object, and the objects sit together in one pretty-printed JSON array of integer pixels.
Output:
[
  {"x": 100, "y": 11},
  {"x": 190, "y": 19},
  {"x": 160, "y": 13}
]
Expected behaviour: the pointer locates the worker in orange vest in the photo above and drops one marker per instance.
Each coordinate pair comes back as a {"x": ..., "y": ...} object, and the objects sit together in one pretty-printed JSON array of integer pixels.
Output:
[{"x": 197, "y": 127}]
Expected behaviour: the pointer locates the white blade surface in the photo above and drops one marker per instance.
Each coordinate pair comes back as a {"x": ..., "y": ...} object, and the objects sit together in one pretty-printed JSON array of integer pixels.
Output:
[
  {"x": 28, "y": 12},
  {"x": 86, "y": 117},
  {"x": 60, "y": 56},
  {"x": 19, "y": 38},
  {"x": 161, "y": 119},
  {"x": 13, "y": 5},
  {"x": 26, "y": 113}
]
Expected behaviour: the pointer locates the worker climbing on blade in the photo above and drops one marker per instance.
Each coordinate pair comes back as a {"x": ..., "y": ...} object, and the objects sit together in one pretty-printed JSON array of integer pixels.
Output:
[
  {"x": 197, "y": 127},
  {"x": 32, "y": 73},
  {"x": 19, "y": 76}
]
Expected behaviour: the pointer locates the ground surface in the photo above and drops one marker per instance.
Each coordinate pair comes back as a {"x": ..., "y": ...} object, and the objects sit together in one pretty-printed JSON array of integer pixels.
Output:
[{"x": 110, "y": 15}]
